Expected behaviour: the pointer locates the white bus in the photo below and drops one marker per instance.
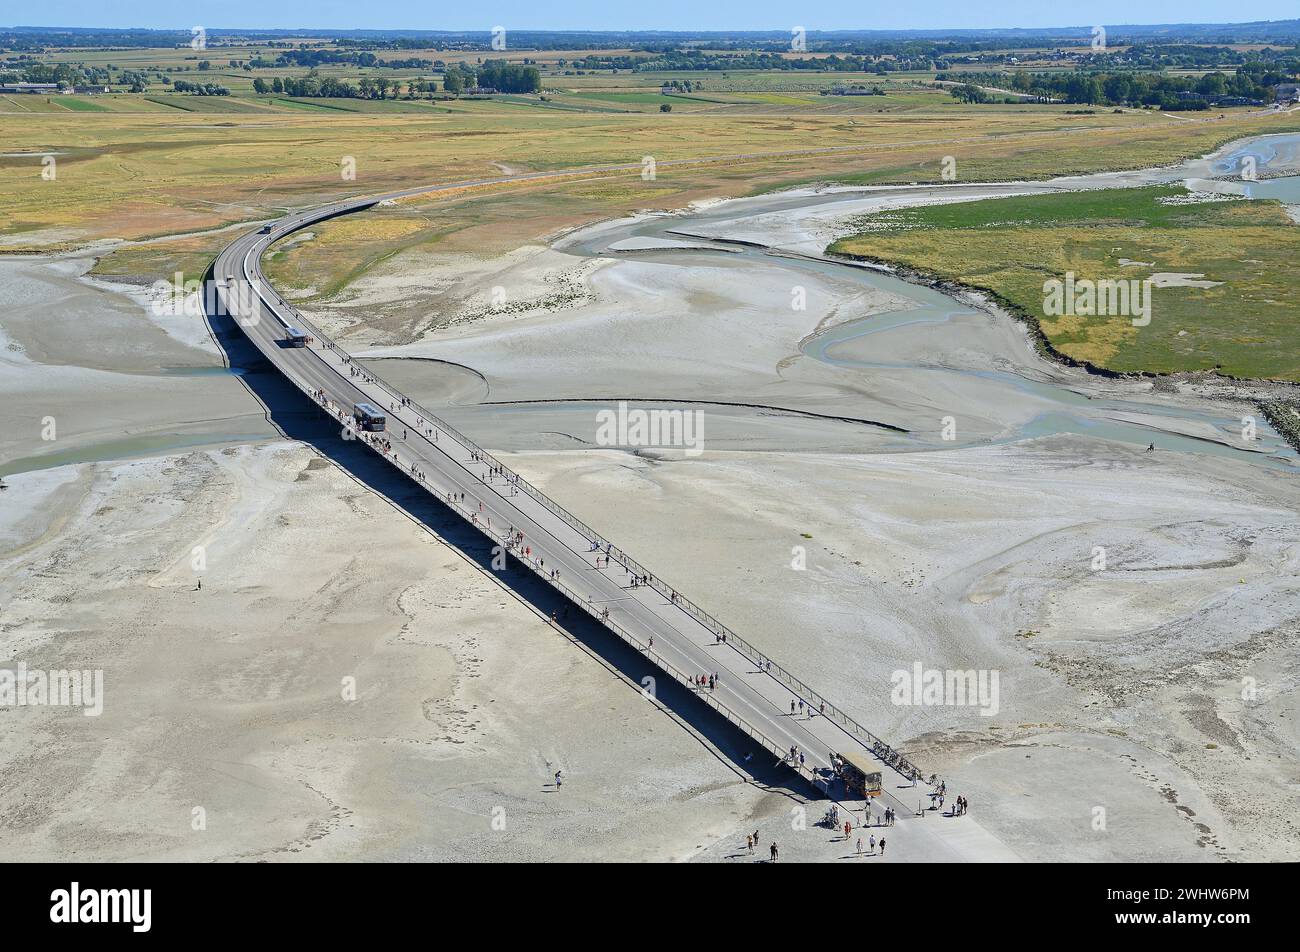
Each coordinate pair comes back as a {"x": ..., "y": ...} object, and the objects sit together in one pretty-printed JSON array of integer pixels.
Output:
[{"x": 368, "y": 417}]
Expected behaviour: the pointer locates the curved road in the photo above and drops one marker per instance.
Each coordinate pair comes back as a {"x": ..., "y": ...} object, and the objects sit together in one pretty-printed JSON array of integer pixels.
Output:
[{"x": 753, "y": 691}]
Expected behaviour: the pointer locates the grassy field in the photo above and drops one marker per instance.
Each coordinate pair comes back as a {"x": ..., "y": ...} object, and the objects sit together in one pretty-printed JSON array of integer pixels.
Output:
[
  {"x": 162, "y": 260},
  {"x": 193, "y": 163},
  {"x": 1244, "y": 326},
  {"x": 490, "y": 222}
]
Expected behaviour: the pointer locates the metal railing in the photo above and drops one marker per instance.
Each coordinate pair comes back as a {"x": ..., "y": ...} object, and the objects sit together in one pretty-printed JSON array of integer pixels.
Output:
[{"x": 888, "y": 755}]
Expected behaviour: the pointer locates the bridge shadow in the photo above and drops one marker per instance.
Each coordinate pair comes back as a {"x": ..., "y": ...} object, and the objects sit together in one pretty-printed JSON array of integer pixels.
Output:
[{"x": 298, "y": 417}]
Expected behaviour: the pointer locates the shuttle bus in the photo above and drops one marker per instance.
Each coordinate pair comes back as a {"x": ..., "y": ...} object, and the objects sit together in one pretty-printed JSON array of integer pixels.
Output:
[
  {"x": 863, "y": 777},
  {"x": 368, "y": 417},
  {"x": 293, "y": 337}
]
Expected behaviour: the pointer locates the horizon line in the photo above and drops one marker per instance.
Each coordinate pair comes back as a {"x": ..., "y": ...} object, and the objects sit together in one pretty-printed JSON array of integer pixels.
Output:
[{"x": 784, "y": 30}]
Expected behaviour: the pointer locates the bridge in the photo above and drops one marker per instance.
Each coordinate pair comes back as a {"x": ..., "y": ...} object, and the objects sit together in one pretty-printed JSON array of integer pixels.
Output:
[{"x": 753, "y": 691}]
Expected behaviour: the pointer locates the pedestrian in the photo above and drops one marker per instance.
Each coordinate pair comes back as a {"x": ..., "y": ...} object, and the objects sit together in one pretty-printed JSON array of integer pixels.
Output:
[
  {"x": 859, "y": 847},
  {"x": 558, "y": 779},
  {"x": 199, "y": 587},
  {"x": 774, "y": 852},
  {"x": 872, "y": 841},
  {"x": 882, "y": 846},
  {"x": 756, "y": 839},
  {"x": 848, "y": 828},
  {"x": 749, "y": 844}
]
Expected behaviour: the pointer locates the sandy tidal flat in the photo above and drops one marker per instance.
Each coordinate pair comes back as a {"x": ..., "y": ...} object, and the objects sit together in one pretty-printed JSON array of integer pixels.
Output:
[{"x": 229, "y": 700}]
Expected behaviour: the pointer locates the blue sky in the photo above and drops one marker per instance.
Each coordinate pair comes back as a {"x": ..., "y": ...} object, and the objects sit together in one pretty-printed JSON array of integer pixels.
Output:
[{"x": 641, "y": 14}]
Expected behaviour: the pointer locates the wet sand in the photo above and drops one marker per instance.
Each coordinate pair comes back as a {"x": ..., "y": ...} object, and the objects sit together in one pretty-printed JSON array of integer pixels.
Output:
[{"x": 91, "y": 365}]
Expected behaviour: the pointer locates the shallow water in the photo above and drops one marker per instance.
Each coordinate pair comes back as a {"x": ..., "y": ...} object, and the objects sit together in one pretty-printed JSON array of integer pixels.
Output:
[
  {"x": 1268, "y": 152},
  {"x": 133, "y": 447},
  {"x": 847, "y": 345},
  {"x": 1286, "y": 189}
]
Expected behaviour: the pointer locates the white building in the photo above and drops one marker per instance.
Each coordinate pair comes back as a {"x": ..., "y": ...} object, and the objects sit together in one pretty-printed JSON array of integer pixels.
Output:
[{"x": 29, "y": 87}]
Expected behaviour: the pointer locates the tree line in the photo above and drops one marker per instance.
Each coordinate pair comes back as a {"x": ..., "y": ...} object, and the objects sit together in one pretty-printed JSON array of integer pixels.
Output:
[
  {"x": 497, "y": 75},
  {"x": 1118, "y": 89},
  {"x": 327, "y": 87},
  {"x": 200, "y": 89}
]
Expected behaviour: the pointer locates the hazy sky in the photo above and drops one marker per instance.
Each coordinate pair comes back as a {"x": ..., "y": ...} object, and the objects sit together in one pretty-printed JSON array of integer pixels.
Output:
[{"x": 640, "y": 14}]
